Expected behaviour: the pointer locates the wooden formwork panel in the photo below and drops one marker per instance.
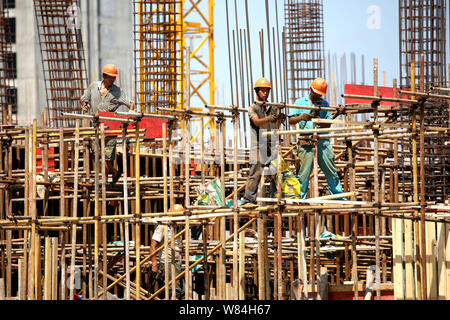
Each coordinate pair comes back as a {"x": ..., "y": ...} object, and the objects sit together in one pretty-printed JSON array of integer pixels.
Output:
[{"x": 437, "y": 260}]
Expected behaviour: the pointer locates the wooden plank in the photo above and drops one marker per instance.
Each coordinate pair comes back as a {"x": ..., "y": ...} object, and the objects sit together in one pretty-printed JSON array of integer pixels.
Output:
[
  {"x": 20, "y": 280},
  {"x": 47, "y": 270},
  {"x": 261, "y": 294},
  {"x": 54, "y": 267},
  {"x": 8, "y": 263},
  {"x": 409, "y": 263},
  {"x": 2, "y": 289},
  {"x": 241, "y": 265},
  {"x": 442, "y": 264},
  {"x": 430, "y": 236},
  {"x": 447, "y": 255},
  {"x": 397, "y": 250},
  {"x": 38, "y": 267}
]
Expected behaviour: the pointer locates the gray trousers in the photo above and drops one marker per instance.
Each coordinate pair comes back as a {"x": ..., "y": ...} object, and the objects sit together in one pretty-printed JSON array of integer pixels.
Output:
[{"x": 254, "y": 178}]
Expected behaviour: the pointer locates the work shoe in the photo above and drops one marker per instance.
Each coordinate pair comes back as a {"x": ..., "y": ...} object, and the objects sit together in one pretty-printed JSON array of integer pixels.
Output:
[{"x": 248, "y": 205}]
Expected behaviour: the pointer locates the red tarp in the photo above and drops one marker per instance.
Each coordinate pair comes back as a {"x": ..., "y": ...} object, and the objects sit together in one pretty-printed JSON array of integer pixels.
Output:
[
  {"x": 51, "y": 160},
  {"x": 153, "y": 126},
  {"x": 361, "y": 90}
]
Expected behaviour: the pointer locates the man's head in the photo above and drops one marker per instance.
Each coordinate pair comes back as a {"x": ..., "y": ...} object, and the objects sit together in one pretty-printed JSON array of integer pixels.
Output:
[
  {"x": 110, "y": 74},
  {"x": 318, "y": 89},
  {"x": 262, "y": 89}
]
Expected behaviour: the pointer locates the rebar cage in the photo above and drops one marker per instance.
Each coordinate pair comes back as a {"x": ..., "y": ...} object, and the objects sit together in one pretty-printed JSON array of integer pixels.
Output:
[
  {"x": 158, "y": 53},
  {"x": 63, "y": 57},
  {"x": 305, "y": 44}
]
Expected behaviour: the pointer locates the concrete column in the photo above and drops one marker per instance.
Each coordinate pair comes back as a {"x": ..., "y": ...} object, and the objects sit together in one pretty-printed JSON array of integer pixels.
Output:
[{"x": 31, "y": 99}]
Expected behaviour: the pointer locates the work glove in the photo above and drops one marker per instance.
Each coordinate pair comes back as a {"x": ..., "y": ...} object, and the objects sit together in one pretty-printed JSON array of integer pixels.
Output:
[{"x": 271, "y": 118}]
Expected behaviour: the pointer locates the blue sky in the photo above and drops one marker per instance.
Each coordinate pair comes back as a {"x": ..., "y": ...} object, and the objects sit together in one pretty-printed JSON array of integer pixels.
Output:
[{"x": 363, "y": 27}]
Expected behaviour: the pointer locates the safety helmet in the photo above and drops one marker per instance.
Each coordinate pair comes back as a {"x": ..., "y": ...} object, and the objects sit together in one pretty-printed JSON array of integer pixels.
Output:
[
  {"x": 110, "y": 70},
  {"x": 177, "y": 208},
  {"x": 263, "y": 83},
  {"x": 319, "y": 86}
]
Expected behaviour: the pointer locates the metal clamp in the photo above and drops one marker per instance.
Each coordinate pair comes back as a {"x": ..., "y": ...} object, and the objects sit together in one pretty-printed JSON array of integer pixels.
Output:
[{"x": 220, "y": 117}]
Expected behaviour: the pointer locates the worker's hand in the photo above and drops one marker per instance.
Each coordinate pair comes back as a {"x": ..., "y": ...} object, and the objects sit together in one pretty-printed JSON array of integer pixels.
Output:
[
  {"x": 281, "y": 117},
  {"x": 271, "y": 118},
  {"x": 154, "y": 268},
  {"x": 306, "y": 117},
  {"x": 85, "y": 106}
]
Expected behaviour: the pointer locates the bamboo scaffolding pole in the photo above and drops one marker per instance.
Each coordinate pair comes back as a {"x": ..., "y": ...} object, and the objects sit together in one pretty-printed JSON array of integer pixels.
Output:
[
  {"x": 238, "y": 277},
  {"x": 375, "y": 105},
  {"x": 317, "y": 219},
  {"x": 188, "y": 295},
  {"x": 170, "y": 126},
  {"x": 279, "y": 232},
  {"x": 138, "y": 212},
  {"x": 27, "y": 213},
  {"x": 97, "y": 212},
  {"x": 294, "y": 106},
  {"x": 74, "y": 211},
  {"x": 419, "y": 280},
  {"x": 103, "y": 229},
  {"x": 423, "y": 252},
  {"x": 125, "y": 212},
  {"x": 34, "y": 235},
  {"x": 222, "y": 223},
  {"x": 165, "y": 208}
]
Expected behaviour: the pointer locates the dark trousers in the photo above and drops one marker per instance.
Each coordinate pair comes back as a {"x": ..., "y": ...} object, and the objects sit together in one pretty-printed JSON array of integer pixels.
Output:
[{"x": 179, "y": 285}]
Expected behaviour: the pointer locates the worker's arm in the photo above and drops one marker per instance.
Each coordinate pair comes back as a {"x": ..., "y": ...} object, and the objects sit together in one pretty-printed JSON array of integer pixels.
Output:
[
  {"x": 85, "y": 99},
  {"x": 303, "y": 117},
  {"x": 153, "y": 246},
  {"x": 260, "y": 122}
]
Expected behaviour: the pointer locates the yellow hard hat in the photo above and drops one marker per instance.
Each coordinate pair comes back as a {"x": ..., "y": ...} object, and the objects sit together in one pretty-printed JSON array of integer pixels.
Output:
[{"x": 263, "y": 83}]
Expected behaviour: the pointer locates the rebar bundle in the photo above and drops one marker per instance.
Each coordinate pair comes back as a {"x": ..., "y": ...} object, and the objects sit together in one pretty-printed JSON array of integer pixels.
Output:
[
  {"x": 7, "y": 68},
  {"x": 305, "y": 44},
  {"x": 423, "y": 45},
  {"x": 63, "y": 58},
  {"x": 423, "y": 31},
  {"x": 158, "y": 53}
]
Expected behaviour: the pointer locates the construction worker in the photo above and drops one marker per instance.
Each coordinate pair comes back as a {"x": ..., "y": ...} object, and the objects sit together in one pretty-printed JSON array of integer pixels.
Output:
[
  {"x": 107, "y": 97},
  {"x": 173, "y": 256},
  {"x": 305, "y": 148},
  {"x": 263, "y": 148}
]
